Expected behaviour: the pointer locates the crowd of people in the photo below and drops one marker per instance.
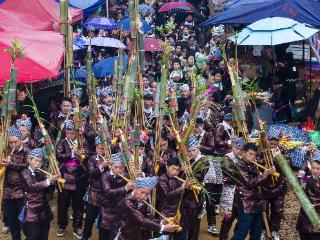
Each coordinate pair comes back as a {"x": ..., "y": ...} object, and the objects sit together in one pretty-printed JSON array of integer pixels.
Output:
[{"x": 101, "y": 190}]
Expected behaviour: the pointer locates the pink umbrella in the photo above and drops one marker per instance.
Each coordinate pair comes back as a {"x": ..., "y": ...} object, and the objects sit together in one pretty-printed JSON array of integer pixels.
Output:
[
  {"x": 151, "y": 45},
  {"x": 172, "y": 5}
]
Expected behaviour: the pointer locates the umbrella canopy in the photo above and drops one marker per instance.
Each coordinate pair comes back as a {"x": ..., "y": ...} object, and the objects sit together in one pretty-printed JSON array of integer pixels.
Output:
[
  {"x": 247, "y": 11},
  {"x": 105, "y": 67},
  {"x": 80, "y": 74},
  {"x": 37, "y": 64},
  {"x": 105, "y": 42},
  {"x": 79, "y": 42},
  {"x": 171, "y": 5},
  {"x": 151, "y": 45},
  {"x": 101, "y": 23},
  {"x": 273, "y": 31},
  {"x": 125, "y": 25}
]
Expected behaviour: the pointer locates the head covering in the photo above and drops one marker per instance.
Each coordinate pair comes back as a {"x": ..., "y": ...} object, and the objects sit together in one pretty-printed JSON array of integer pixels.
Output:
[
  {"x": 148, "y": 94},
  {"x": 97, "y": 140},
  {"x": 274, "y": 135},
  {"x": 146, "y": 182},
  {"x": 315, "y": 156},
  {"x": 85, "y": 112},
  {"x": 77, "y": 92},
  {"x": 105, "y": 92},
  {"x": 184, "y": 88},
  {"x": 193, "y": 141},
  {"x": 239, "y": 142},
  {"x": 69, "y": 124},
  {"x": 25, "y": 121},
  {"x": 117, "y": 158},
  {"x": 37, "y": 152},
  {"x": 228, "y": 117},
  {"x": 14, "y": 132}
]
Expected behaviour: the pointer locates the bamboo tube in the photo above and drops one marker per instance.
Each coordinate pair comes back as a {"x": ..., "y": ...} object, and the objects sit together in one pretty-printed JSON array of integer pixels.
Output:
[
  {"x": 193, "y": 186},
  {"x": 63, "y": 16},
  {"x": 60, "y": 180},
  {"x": 294, "y": 184},
  {"x": 263, "y": 167}
]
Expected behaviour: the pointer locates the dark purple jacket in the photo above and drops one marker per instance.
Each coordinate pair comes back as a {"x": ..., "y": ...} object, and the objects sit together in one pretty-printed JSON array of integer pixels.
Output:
[
  {"x": 112, "y": 192},
  {"x": 12, "y": 181},
  {"x": 313, "y": 193},
  {"x": 37, "y": 206},
  {"x": 250, "y": 193},
  {"x": 132, "y": 221},
  {"x": 75, "y": 176},
  {"x": 94, "y": 176},
  {"x": 169, "y": 192}
]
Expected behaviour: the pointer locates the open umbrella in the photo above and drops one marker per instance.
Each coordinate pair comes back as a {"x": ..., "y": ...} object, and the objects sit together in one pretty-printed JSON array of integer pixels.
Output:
[
  {"x": 79, "y": 43},
  {"x": 273, "y": 31},
  {"x": 105, "y": 67},
  {"x": 151, "y": 45},
  {"x": 105, "y": 42},
  {"x": 171, "y": 5},
  {"x": 125, "y": 25},
  {"x": 101, "y": 23}
]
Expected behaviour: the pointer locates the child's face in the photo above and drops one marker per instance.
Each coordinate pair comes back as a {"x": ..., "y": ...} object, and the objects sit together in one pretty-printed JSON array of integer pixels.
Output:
[
  {"x": 153, "y": 87},
  {"x": 173, "y": 170},
  {"x": 191, "y": 60},
  {"x": 176, "y": 66},
  {"x": 107, "y": 100},
  {"x": 24, "y": 132},
  {"x": 217, "y": 77},
  {"x": 35, "y": 162},
  {"x": 315, "y": 169},
  {"x": 148, "y": 103}
]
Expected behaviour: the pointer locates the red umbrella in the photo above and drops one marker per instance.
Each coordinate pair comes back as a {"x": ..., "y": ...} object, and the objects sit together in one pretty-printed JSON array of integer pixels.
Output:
[
  {"x": 151, "y": 45},
  {"x": 172, "y": 5},
  {"x": 44, "y": 54}
]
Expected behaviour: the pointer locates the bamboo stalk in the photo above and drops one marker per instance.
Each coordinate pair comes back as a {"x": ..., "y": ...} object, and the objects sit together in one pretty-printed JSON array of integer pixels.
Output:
[
  {"x": 294, "y": 184},
  {"x": 193, "y": 186}
]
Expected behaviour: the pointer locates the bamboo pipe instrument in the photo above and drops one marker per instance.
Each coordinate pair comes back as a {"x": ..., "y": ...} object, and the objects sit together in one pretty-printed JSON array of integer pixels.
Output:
[
  {"x": 263, "y": 167},
  {"x": 155, "y": 210},
  {"x": 60, "y": 180},
  {"x": 3, "y": 169},
  {"x": 193, "y": 186}
]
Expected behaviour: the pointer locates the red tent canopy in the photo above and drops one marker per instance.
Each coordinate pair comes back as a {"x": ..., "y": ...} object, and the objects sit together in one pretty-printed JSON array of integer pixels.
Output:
[
  {"x": 42, "y": 15},
  {"x": 44, "y": 54}
]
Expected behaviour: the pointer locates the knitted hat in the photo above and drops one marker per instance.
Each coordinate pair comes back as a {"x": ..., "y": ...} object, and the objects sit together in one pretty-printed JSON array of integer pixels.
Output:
[
  {"x": 24, "y": 121},
  {"x": 146, "y": 182}
]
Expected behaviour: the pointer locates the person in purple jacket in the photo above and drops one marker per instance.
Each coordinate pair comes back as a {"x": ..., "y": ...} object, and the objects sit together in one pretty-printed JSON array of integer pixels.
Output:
[{"x": 36, "y": 214}]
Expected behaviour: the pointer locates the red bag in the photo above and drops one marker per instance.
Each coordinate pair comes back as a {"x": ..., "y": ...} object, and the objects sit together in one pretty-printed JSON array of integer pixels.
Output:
[{"x": 308, "y": 126}]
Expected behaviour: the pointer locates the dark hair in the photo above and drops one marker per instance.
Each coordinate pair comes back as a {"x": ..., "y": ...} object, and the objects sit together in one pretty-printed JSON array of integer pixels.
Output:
[
  {"x": 216, "y": 71},
  {"x": 176, "y": 60},
  {"x": 173, "y": 162},
  {"x": 66, "y": 99},
  {"x": 199, "y": 120},
  {"x": 250, "y": 146}
]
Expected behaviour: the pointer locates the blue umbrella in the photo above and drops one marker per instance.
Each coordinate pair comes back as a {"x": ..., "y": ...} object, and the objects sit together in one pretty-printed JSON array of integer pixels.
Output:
[
  {"x": 273, "y": 31},
  {"x": 80, "y": 74},
  {"x": 79, "y": 42},
  {"x": 101, "y": 23},
  {"x": 125, "y": 25},
  {"x": 105, "y": 67}
]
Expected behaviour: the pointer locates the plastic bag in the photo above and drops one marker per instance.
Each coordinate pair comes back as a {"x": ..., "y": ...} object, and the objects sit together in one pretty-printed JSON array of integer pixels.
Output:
[{"x": 315, "y": 137}]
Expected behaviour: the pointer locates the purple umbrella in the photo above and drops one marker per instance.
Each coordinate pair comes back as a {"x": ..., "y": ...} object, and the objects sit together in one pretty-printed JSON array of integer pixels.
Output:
[
  {"x": 106, "y": 42},
  {"x": 101, "y": 23}
]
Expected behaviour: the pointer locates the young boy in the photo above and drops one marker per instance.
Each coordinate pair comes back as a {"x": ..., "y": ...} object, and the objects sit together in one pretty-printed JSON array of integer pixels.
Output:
[
  {"x": 224, "y": 134},
  {"x": 37, "y": 213},
  {"x": 15, "y": 163},
  {"x": 74, "y": 188},
  {"x": 130, "y": 221},
  {"x": 97, "y": 164},
  {"x": 251, "y": 203},
  {"x": 192, "y": 206},
  {"x": 228, "y": 193},
  {"x": 169, "y": 192},
  {"x": 24, "y": 125},
  {"x": 114, "y": 189},
  {"x": 312, "y": 189}
]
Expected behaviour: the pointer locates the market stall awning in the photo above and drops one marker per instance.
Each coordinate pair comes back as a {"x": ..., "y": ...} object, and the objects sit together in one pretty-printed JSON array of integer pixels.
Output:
[
  {"x": 41, "y": 15},
  {"x": 303, "y": 11},
  {"x": 44, "y": 54}
]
